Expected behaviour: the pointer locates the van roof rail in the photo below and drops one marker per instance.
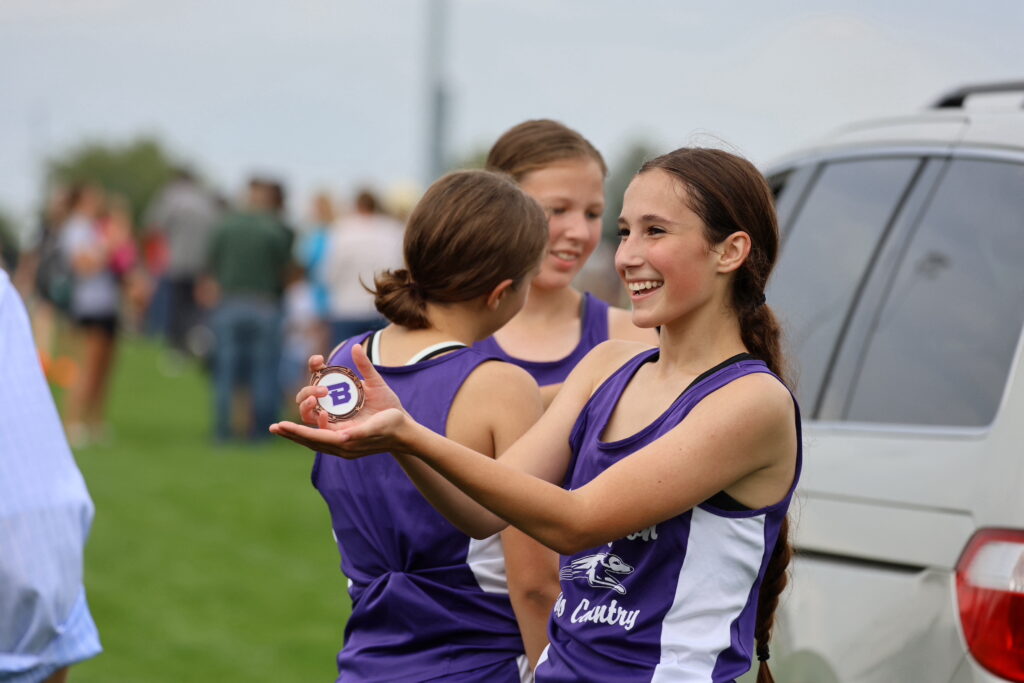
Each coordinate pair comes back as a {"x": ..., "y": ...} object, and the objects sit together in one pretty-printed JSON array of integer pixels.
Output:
[{"x": 954, "y": 99}]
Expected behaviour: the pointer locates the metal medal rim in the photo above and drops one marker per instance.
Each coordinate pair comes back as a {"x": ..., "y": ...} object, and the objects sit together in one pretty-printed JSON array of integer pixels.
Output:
[{"x": 331, "y": 369}]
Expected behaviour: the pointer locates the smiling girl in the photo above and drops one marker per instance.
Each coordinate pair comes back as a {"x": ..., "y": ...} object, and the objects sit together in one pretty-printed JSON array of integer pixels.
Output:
[
  {"x": 560, "y": 169},
  {"x": 678, "y": 463}
]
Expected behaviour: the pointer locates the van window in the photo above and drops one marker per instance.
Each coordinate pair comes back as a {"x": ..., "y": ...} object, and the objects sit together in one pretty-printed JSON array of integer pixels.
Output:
[
  {"x": 789, "y": 188},
  {"x": 946, "y": 334},
  {"x": 826, "y": 253}
]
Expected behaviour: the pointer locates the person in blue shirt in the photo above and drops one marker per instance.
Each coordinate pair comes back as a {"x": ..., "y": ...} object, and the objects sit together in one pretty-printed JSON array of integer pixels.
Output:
[{"x": 45, "y": 515}]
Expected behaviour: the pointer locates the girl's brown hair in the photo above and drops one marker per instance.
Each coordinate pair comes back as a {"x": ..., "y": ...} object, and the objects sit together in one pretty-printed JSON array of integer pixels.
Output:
[
  {"x": 534, "y": 144},
  {"x": 469, "y": 232},
  {"x": 729, "y": 194}
]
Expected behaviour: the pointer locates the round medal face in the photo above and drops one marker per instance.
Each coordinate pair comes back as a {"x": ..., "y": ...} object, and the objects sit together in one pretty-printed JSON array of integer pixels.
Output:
[{"x": 344, "y": 392}]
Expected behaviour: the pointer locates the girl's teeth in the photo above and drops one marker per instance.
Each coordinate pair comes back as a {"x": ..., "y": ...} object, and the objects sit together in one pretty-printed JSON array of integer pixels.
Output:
[{"x": 644, "y": 285}]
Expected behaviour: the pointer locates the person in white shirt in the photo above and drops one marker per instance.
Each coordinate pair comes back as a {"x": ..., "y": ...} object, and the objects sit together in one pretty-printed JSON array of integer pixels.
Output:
[{"x": 360, "y": 245}]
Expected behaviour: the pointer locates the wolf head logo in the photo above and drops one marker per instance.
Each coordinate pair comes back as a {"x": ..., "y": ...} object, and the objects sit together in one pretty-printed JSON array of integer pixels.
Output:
[{"x": 598, "y": 570}]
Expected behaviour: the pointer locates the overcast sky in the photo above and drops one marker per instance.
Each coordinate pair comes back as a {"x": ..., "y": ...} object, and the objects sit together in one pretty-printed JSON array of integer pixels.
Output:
[{"x": 331, "y": 93}]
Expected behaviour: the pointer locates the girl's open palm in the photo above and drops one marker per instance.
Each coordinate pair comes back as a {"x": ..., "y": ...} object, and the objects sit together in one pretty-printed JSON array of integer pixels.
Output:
[{"x": 373, "y": 430}]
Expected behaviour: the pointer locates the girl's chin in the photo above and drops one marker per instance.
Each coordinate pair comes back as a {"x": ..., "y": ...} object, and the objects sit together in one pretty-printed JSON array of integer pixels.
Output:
[
  {"x": 554, "y": 279},
  {"x": 646, "y": 319}
]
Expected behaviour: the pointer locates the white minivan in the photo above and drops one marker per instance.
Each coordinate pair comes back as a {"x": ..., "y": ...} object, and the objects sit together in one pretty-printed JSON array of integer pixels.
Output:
[{"x": 901, "y": 287}]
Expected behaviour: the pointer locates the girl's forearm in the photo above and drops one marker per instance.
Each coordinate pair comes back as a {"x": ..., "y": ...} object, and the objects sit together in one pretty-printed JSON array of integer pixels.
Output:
[
  {"x": 542, "y": 510},
  {"x": 467, "y": 515}
]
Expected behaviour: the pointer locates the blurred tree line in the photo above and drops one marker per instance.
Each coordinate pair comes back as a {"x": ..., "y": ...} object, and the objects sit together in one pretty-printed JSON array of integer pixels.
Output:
[{"x": 136, "y": 170}]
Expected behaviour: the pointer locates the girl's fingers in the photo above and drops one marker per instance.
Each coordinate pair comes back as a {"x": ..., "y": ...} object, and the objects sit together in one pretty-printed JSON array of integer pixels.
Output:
[
  {"x": 316, "y": 362},
  {"x": 310, "y": 438},
  {"x": 308, "y": 391},
  {"x": 308, "y": 411},
  {"x": 364, "y": 366},
  {"x": 321, "y": 440},
  {"x": 302, "y": 442}
]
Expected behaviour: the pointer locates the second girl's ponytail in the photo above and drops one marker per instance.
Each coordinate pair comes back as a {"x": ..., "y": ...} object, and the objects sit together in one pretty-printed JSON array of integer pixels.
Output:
[
  {"x": 470, "y": 231},
  {"x": 399, "y": 300}
]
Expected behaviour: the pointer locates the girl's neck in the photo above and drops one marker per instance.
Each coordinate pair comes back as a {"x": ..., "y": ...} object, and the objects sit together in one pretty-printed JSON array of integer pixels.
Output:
[
  {"x": 460, "y": 322},
  {"x": 698, "y": 341},
  {"x": 549, "y": 304},
  {"x": 398, "y": 344}
]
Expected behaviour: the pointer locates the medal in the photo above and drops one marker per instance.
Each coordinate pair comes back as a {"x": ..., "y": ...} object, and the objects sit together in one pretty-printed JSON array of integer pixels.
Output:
[{"x": 344, "y": 392}]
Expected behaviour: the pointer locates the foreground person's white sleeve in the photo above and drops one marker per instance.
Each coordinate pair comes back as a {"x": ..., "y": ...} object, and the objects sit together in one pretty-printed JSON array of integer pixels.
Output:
[{"x": 45, "y": 516}]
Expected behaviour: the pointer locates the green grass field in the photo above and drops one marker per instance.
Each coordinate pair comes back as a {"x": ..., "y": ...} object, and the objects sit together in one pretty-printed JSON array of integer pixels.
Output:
[{"x": 205, "y": 563}]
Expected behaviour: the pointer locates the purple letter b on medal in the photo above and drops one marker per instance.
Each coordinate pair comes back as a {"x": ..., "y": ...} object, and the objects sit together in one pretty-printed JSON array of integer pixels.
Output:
[{"x": 344, "y": 392}]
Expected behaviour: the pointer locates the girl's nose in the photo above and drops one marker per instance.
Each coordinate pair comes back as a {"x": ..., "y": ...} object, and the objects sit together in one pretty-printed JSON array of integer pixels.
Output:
[
  {"x": 628, "y": 255},
  {"x": 576, "y": 226}
]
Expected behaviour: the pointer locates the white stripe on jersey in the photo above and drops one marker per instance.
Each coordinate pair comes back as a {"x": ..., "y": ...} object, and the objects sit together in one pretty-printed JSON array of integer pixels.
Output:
[
  {"x": 723, "y": 558},
  {"x": 544, "y": 653},
  {"x": 525, "y": 672},
  {"x": 486, "y": 559}
]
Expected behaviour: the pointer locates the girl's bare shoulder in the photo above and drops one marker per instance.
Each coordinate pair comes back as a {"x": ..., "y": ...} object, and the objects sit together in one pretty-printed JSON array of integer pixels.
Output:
[
  {"x": 602, "y": 361},
  {"x": 759, "y": 401},
  {"x": 497, "y": 381}
]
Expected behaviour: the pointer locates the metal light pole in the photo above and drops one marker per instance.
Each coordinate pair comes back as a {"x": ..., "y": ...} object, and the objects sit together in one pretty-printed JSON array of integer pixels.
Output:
[{"x": 437, "y": 20}]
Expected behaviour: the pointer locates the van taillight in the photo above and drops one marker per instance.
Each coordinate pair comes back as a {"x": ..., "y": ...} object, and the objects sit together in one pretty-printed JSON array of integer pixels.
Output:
[{"x": 990, "y": 590}]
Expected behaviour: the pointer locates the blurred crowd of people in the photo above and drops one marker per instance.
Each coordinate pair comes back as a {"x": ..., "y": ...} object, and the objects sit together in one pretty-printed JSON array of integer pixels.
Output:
[{"x": 237, "y": 287}]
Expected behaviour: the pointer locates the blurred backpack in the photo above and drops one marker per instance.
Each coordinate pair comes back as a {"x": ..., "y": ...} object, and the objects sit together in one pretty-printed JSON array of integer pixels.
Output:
[{"x": 54, "y": 279}]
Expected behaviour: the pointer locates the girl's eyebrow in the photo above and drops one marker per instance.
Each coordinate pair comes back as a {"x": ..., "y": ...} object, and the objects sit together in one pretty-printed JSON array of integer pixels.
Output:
[{"x": 648, "y": 218}]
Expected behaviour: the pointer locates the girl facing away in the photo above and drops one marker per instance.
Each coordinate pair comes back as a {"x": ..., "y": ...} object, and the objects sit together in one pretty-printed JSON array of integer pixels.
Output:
[
  {"x": 559, "y": 324},
  {"x": 661, "y": 476},
  {"x": 428, "y": 602}
]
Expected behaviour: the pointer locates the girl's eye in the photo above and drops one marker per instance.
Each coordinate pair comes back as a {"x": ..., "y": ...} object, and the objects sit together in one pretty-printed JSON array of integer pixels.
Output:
[
  {"x": 557, "y": 211},
  {"x": 655, "y": 230},
  {"x": 623, "y": 233},
  {"x": 593, "y": 216}
]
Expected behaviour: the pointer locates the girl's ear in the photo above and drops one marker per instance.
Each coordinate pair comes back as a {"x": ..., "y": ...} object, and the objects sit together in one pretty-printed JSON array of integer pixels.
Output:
[
  {"x": 496, "y": 295},
  {"x": 733, "y": 251}
]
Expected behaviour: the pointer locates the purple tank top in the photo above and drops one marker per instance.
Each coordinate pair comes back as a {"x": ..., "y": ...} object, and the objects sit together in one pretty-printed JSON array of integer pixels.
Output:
[
  {"x": 593, "y": 331},
  {"x": 675, "y": 601},
  {"x": 427, "y": 600}
]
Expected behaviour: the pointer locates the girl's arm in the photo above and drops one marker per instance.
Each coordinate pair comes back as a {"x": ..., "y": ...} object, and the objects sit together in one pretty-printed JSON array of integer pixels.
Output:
[
  {"x": 496, "y": 405},
  {"x": 530, "y": 568},
  {"x": 741, "y": 435},
  {"x": 545, "y": 455},
  {"x": 532, "y": 572},
  {"x": 548, "y": 393}
]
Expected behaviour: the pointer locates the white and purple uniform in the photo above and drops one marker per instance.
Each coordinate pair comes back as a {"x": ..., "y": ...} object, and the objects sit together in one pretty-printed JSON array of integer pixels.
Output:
[
  {"x": 428, "y": 602},
  {"x": 676, "y": 601},
  {"x": 593, "y": 331}
]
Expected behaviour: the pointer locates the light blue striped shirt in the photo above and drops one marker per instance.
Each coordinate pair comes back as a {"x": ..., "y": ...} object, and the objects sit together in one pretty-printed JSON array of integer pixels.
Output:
[{"x": 45, "y": 515}]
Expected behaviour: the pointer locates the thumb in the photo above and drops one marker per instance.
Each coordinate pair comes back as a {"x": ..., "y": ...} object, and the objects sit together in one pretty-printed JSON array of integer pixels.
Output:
[
  {"x": 315, "y": 362},
  {"x": 365, "y": 367}
]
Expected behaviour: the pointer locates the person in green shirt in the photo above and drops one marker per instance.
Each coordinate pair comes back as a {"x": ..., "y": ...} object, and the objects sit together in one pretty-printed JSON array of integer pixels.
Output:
[{"x": 248, "y": 263}]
